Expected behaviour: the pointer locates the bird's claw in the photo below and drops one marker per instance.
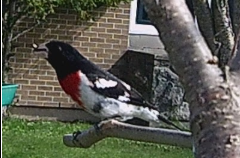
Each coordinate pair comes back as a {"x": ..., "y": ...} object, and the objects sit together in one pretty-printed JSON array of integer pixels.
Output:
[
  {"x": 75, "y": 135},
  {"x": 97, "y": 128}
]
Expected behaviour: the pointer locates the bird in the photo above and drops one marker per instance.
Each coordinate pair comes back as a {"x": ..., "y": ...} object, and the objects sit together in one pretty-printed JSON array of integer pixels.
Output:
[{"x": 95, "y": 90}]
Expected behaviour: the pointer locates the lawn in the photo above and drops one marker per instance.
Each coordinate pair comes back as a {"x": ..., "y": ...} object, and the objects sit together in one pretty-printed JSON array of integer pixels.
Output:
[{"x": 43, "y": 139}]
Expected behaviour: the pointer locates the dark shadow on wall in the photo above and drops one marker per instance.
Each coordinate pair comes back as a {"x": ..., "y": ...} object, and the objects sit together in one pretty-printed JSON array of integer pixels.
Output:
[{"x": 136, "y": 69}]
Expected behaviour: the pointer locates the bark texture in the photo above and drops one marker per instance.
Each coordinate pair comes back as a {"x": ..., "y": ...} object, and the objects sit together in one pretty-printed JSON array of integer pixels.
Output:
[
  {"x": 214, "y": 102},
  {"x": 113, "y": 128},
  {"x": 234, "y": 6},
  {"x": 235, "y": 62},
  {"x": 205, "y": 22},
  {"x": 223, "y": 31}
]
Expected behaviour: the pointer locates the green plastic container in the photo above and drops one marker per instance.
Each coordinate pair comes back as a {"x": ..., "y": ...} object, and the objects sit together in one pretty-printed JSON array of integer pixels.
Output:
[{"x": 8, "y": 93}]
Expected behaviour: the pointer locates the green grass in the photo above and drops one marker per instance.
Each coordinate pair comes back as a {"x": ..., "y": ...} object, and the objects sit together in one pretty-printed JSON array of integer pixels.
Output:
[{"x": 43, "y": 139}]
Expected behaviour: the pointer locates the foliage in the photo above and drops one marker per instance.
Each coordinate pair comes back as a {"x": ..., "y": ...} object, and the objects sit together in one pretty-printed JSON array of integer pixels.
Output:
[
  {"x": 84, "y": 8},
  {"x": 15, "y": 11},
  {"x": 24, "y": 139}
]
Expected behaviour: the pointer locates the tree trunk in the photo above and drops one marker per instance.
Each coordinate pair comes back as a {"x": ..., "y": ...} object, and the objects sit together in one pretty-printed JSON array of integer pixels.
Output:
[
  {"x": 5, "y": 51},
  {"x": 7, "y": 37},
  {"x": 214, "y": 102}
]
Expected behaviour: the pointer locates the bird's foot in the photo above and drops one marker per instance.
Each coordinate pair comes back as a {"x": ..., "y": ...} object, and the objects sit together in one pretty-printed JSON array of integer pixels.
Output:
[
  {"x": 97, "y": 127},
  {"x": 76, "y": 134}
]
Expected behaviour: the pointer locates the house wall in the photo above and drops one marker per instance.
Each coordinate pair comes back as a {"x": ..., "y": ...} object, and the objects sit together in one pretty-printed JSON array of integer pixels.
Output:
[
  {"x": 147, "y": 43},
  {"x": 144, "y": 37},
  {"x": 103, "y": 42}
]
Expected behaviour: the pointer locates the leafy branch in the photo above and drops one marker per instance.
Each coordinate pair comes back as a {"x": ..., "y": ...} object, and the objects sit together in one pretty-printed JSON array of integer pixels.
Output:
[
  {"x": 24, "y": 31},
  {"x": 15, "y": 11}
]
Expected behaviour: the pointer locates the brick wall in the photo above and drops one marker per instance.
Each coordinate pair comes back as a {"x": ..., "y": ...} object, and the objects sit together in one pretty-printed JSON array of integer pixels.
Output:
[{"x": 102, "y": 41}]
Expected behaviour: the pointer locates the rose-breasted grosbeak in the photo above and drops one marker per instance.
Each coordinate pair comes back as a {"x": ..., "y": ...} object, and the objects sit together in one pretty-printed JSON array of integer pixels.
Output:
[{"x": 95, "y": 90}]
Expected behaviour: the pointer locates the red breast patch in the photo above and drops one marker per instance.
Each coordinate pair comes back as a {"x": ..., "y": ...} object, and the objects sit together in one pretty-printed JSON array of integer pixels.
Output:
[{"x": 71, "y": 84}]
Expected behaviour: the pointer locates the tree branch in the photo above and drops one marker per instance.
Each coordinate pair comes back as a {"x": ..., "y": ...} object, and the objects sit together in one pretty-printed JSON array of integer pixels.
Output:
[
  {"x": 24, "y": 31},
  {"x": 113, "y": 128},
  {"x": 4, "y": 24},
  {"x": 235, "y": 62},
  {"x": 224, "y": 33},
  {"x": 18, "y": 18},
  {"x": 192, "y": 52},
  {"x": 9, "y": 14},
  {"x": 5, "y": 5},
  {"x": 235, "y": 14},
  {"x": 18, "y": 13},
  {"x": 205, "y": 23}
]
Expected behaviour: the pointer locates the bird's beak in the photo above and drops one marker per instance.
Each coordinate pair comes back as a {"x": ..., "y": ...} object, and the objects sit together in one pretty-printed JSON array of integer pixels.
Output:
[{"x": 40, "y": 50}]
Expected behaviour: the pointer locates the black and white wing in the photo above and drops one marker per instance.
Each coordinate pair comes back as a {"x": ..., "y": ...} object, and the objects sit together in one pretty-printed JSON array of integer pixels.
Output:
[{"x": 110, "y": 86}]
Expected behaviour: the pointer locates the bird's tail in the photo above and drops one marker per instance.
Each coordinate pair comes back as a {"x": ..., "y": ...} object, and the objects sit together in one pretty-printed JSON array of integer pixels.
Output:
[
  {"x": 160, "y": 117},
  {"x": 165, "y": 120}
]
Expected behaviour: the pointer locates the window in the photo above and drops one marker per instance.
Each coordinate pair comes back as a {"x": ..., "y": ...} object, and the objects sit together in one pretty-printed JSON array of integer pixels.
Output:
[
  {"x": 139, "y": 22},
  {"x": 142, "y": 17}
]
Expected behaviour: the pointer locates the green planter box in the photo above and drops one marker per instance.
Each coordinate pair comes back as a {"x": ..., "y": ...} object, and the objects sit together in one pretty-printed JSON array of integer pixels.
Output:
[{"x": 8, "y": 93}]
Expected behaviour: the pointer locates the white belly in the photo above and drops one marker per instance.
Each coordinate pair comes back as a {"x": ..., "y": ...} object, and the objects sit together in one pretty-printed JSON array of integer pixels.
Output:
[
  {"x": 88, "y": 97},
  {"x": 110, "y": 107}
]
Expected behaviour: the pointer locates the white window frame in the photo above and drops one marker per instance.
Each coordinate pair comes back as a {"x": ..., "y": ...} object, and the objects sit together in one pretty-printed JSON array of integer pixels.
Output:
[{"x": 139, "y": 29}]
